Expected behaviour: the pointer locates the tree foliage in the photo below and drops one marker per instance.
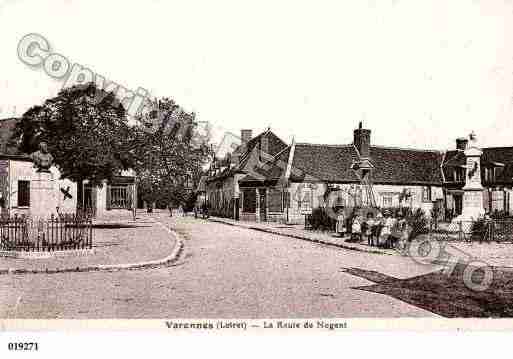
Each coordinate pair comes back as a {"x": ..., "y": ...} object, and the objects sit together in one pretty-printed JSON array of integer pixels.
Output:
[
  {"x": 170, "y": 155},
  {"x": 88, "y": 134},
  {"x": 86, "y": 131}
]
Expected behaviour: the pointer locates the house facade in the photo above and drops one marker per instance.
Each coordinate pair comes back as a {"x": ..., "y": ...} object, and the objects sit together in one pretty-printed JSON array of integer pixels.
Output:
[
  {"x": 20, "y": 180},
  {"x": 290, "y": 183},
  {"x": 496, "y": 177},
  {"x": 17, "y": 178},
  {"x": 222, "y": 185},
  {"x": 299, "y": 178}
]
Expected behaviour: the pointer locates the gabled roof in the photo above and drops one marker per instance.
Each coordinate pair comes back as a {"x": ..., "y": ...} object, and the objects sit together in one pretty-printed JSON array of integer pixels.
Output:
[
  {"x": 275, "y": 144},
  {"x": 270, "y": 170},
  {"x": 332, "y": 163}
]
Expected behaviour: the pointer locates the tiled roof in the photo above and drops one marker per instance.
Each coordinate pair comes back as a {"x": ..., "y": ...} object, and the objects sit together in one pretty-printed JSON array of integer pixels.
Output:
[
  {"x": 276, "y": 145},
  {"x": 391, "y": 165},
  {"x": 332, "y": 163},
  {"x": 271, "y": 170}
]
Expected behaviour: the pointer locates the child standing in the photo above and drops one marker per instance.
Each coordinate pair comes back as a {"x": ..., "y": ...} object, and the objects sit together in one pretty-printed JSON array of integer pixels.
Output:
[
  {"x": 369, "y": 225},
  {"x": 341, "y": 222},
  {"x": 356, "y": 229}
]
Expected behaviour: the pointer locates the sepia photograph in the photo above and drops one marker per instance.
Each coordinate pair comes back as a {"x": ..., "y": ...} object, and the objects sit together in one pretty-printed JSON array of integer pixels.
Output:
[{"x": 256, "y": 166}]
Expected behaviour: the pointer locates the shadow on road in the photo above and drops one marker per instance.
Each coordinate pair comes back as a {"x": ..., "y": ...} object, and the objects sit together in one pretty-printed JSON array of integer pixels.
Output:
[{"x": 445, "y": 295}]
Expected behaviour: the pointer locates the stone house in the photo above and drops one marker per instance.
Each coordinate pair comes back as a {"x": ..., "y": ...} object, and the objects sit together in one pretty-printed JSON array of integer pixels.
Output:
[
  {"x": 19, "y": 181},
  {"x": 296, "y": 179},
  {"x": 222, "y": 185},
  {"x": 496, "y": 175},
  {"x": 289, "y": 181},
  {"x": 17, "y": 189}
]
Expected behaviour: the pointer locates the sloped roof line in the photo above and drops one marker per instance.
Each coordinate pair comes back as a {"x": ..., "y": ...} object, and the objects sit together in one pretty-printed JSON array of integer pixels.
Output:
[
  {"x": 407, "y": 149},
  {"x": 371, "y": 146},
  {"x": 322, "y": 145},
  {"x": 290, "y": 160}
]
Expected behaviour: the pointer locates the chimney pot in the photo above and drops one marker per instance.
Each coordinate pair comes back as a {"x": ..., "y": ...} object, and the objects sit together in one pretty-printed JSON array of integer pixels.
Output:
[
  {"x": 461, "y": 143},
  {"x": 361, "y": 140}
]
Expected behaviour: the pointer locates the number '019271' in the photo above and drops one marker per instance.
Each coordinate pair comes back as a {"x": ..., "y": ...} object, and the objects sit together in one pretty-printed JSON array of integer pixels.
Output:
[{"x": 23, "y": 346}]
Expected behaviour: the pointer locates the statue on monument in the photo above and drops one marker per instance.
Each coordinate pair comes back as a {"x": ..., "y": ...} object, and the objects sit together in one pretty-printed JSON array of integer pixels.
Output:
[
  {"x": 473, "y": 138},
  {"x": 43, "y": 160}
]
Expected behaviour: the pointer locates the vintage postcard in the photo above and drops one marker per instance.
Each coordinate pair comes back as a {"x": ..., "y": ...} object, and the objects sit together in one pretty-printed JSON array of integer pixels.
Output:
[{"x": 256, "y": 166}]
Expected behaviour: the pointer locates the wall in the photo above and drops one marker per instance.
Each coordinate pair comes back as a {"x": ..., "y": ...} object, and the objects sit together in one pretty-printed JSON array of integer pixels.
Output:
[
  {"x": 228, "y": 190},
  {"x": 295, "y": 214},
  {"x": 24, "y": 170}
]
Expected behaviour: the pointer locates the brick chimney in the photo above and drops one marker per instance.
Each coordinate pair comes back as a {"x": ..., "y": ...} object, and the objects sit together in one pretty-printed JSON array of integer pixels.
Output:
[
  {"x": 245, "y": 136},
  {"x": 361, "y": 140},
  {"x": 461, "y": 143}
]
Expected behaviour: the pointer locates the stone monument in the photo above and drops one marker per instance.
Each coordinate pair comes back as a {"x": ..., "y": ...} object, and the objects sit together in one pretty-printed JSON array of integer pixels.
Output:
[
  {"x": 473, "y": 190},
  {"x": 43, "y": 201}
]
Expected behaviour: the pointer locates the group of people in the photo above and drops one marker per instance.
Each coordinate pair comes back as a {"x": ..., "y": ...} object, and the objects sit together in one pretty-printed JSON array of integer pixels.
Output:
[{"x": 380, "y": 229}]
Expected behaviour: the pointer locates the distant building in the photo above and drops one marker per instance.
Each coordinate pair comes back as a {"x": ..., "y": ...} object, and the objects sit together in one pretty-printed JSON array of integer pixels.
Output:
[{"x": 496, "y": 177}]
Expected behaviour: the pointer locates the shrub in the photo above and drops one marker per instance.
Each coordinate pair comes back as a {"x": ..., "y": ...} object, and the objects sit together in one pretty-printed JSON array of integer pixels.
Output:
[
  {"x": 479, "y": 227},
  {"x": 320, "y": 220}
]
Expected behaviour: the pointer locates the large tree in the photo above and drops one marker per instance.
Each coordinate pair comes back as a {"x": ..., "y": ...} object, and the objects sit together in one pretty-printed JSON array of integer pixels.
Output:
[
  {"x": 86, "y": 131},
  {"x": 171, "y": 150}
]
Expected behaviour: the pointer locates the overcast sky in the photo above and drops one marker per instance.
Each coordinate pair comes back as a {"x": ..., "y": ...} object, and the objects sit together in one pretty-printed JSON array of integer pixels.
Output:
[{"x": 418, "y": 73}]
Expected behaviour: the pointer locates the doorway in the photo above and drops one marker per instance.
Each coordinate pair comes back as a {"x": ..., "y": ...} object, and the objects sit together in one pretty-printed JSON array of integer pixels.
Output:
[
  {"x": 458, "y": 204},
  {"x": 263, "y": 204}
]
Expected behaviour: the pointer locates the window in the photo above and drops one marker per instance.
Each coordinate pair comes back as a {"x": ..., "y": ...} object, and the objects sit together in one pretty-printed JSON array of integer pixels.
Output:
[
  {"x": 489, "y": 174},
  {"x": 497, "y": 200},
  {"x": 426, "y": 194},
  {"x": 118, "y": 197},
  {"x": 387, "y": 200},
  {"x": 23, "y": 193},
  {"x": 305, "y": 200},
  {"x": 459, "y": 174}
]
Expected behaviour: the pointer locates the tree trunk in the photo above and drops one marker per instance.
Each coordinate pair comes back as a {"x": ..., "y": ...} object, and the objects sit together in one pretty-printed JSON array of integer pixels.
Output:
[{"x": 80, "y": 194}]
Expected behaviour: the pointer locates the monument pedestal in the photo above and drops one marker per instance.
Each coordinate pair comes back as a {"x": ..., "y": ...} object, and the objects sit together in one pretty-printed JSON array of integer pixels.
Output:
[
  {"x": 43, "y": 201},
  {"x": 473, "y": 191},
  {"x": 472, "y": 206}
]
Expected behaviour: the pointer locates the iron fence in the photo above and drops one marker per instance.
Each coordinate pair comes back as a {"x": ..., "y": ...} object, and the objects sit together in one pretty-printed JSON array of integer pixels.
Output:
[
  {"x": 482, "y": 230},
  {"x": 63, "y": 232}
]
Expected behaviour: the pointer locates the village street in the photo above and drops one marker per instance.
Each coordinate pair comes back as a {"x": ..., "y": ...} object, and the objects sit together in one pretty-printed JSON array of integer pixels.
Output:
[{"x": 224, "y": 272}]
